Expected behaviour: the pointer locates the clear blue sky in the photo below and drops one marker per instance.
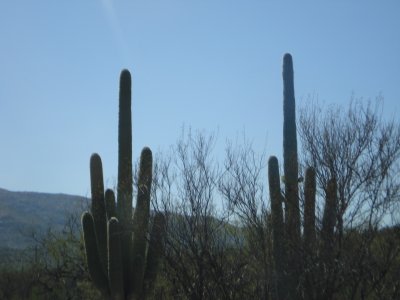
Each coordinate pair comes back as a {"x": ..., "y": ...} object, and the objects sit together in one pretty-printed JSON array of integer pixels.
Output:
[{"x": 211, "y": 65}]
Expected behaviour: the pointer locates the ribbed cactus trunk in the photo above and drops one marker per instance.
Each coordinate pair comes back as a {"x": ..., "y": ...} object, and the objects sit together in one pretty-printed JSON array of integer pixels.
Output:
[
  {"x": 115, "y": 243},
  {"x": 291, "y": 173},
  {"x": 290, "y": 163},
  {"x": 124, "y": 188}
]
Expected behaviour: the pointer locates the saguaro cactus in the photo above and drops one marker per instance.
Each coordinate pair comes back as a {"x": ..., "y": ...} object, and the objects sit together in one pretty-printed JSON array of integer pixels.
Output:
[
  {"x": 286, "y": 234},
  {"x": 116, "y": 246},
  {"x": 286, "y": 228},
  {"x": 290, "y": 165}
]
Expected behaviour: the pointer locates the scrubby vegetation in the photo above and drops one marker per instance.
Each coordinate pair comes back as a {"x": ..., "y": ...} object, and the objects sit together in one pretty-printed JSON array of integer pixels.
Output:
[{"x": 334, "y": 234}]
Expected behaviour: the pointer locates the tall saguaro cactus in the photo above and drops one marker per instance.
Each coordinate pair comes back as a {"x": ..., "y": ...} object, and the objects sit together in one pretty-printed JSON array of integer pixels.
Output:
[
  {"x": 116, "y": 245},
  {"x": 290, "y": 165},
  {"x": 291, "y": 173},
  {"x": 286, "y": 227}
]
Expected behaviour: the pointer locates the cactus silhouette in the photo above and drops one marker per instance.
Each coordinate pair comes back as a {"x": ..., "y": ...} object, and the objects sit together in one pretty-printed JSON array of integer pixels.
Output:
[
  {"x": 121, "y": 262},
  {"x": 288, "y": 244}
]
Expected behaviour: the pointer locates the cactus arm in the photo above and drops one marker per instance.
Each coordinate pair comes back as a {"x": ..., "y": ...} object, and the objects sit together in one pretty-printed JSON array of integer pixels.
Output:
[
  {"x": 110, "y": 204},
  {"x": 278, "y": 228},
  {"x": 276, "y": 201},
  {"x": 327, "y": 239},
  {"x": 329, "y": 217},
  {"x": 154, "y": 252},
  {"x": 97, "y": 274},
  {"x": 115, "y": 267},
  {"x": 141, "y": 220},
  {"x": 310, "y": 279},
  {"x": 309, "y": 209},
  {"x": 98, "y": 207}
]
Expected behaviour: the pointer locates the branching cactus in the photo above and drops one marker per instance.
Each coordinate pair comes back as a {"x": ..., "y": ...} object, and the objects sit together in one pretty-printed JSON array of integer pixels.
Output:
[
  {"x": 121, "y": 261},
  {"x": 286, "y": 224}
]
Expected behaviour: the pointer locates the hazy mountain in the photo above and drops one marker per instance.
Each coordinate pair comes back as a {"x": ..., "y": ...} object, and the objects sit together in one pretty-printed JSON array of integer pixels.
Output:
[{"x": 22, "y": 213}]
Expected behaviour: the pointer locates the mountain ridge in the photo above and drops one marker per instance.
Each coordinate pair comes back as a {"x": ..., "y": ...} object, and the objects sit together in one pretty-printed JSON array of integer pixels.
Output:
[{"x": 23, "y": 213}]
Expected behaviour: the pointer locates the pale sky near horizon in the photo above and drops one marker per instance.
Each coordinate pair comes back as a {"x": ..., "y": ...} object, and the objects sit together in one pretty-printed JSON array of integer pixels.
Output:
[{"x": 214, "y": 66}]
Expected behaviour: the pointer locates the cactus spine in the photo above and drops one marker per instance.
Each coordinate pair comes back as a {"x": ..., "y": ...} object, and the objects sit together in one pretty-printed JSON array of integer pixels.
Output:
[
  {"x": 286, "y": 227},
  {"x": 116, "y": 245}
]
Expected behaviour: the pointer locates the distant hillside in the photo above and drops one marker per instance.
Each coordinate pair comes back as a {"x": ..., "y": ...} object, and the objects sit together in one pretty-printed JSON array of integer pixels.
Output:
[{"x": 21, "y": 213}]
